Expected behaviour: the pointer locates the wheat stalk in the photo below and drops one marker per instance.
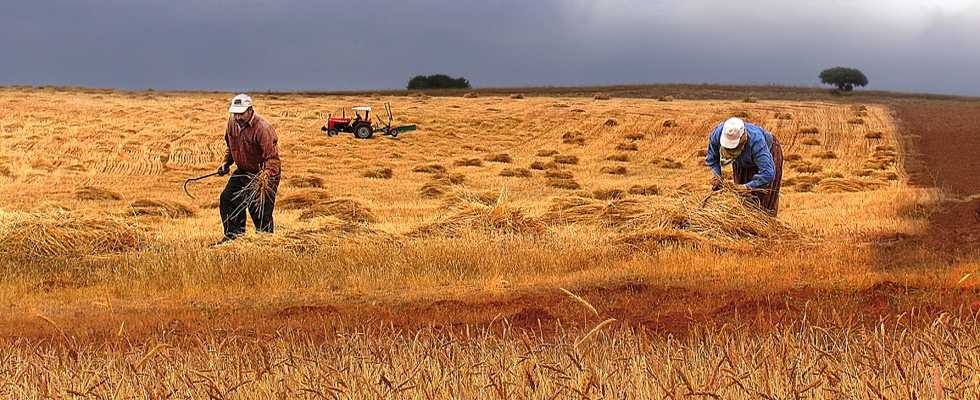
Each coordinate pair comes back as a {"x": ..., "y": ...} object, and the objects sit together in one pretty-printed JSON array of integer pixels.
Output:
[{"x": 581, "y": 301}]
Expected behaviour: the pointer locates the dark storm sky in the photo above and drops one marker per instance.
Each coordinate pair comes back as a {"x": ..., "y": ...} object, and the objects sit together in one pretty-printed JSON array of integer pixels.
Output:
[{"x": 924, "y": 46}]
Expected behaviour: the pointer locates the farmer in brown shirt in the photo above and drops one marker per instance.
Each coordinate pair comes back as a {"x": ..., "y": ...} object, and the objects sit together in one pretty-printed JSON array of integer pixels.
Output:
[{"x": 253, "y": 148}]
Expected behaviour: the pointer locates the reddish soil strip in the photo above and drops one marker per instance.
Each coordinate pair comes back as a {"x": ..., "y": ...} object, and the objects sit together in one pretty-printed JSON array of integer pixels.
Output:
[
  {"x": 942, "y": 148},
  {"x": 665, "y": 310}
]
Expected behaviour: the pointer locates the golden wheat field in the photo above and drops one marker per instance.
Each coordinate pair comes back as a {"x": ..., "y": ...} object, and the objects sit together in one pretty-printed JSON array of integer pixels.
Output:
[{"x": 512, "y": 247}]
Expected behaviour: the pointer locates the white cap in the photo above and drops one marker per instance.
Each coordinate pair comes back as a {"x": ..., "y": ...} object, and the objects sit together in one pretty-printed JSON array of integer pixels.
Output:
[
  {"x": 240, "y": 104},
  {"x": 731, "y": 133}
]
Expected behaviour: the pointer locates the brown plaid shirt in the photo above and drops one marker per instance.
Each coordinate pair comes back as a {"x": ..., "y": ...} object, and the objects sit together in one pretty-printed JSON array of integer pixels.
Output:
[{"x": 253, "y": 148}]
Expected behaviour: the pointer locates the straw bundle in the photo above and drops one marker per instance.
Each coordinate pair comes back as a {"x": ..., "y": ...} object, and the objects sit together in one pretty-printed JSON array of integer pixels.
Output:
[
  {"x": 617, "y": 213},
  {"x": 59, "y": 233},
  {"x": 563, "y": 183},
  {"x": 328, "y": 231},
  {"x": 379, "y": 173},
  {"x": 497, "y": 218},
  {"x": 843, "y": 185},
  {"x": 727, "y": 216},
  {"x": 348, "y": 210},
  {"x": 303, "y": 199},
  {"x": 516, "y": 172},
  {"x": 460, "y": 197},
  {"x": 96, "y": 194},
  {"x": 160, "y": 208},
  {"x": 430, "y": 169},
  {"x": 308, "y": 181}
]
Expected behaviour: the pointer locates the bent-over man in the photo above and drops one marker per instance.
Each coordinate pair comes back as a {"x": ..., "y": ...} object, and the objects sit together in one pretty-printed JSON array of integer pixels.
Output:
[{"x": 756, "y": 158}]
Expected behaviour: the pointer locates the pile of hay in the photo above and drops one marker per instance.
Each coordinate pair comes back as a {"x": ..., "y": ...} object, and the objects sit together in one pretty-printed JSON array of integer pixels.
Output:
[
  {"x": 666, "y": 98},
  {"x": 546, "y": 152},
  {"x": 617, "y": 170},
  {"x": 471, "y": 95},
  {"x": 328, "y": 231},
  {"x": 627, "y": 147},
  {"x": 570, "y": 138},
  {"x": 563, "y": 183},
  {"x": 517, "y": 96},
  {"x": 430, "y": 169},
  {"x": 349, "y": 210},
  {"x": 566, "y": 159},
  {"x": 647, "y": 190},
  {"x": 667, "y": 163},
  {"x": 847, "y": 185},
  {"x": 559, "y": 174},
  {"x": 379, "y": 173},
  {"x": 723, "y": 216},
  {"x": 303, "y": 199},
  {"x": 459, "y": 197},
  {"x": 160, "y": 208},
  {"x": 608, "y": 194},
  {"x": 726, "y": 216},
  {"x": 440, "y": 185},
  {"x": 308, "y": 181},
  {"x": 634, "y": 136},
  {"x": 516, "y": 172},
  {"x": 540, "y": 165},
  {"x": 96, "y": 194},
  {"x": 670, "y": 123},
  {"x": 618, "y": 157},
  {"x": 617, "y": 212},
  {"x": 62, "y": 234},
  {"x": 468, "y": 162},
  {"x": 500, "y": 158},
  {"x": 500, "y": 218},
  {"x": 601, "y": 96},
  {"x": 826, "y": 155}
]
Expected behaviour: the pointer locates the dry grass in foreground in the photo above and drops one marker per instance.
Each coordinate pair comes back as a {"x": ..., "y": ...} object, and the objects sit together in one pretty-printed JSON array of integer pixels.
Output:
[{"x": 933, "y": 360}]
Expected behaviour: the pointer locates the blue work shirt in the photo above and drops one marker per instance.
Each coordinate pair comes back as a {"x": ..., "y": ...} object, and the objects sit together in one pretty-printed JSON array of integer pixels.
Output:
[{"x": 756, "y": 154}]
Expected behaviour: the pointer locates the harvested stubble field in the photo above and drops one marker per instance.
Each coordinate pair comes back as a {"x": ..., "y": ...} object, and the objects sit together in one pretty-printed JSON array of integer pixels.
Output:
[{"x": 430, "y": 265}]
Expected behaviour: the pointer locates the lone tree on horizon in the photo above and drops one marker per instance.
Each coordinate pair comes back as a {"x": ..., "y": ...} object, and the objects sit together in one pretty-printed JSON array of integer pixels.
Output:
[
  {"x": 437, "y": 81},
  {"x": 844, "y": 78}
]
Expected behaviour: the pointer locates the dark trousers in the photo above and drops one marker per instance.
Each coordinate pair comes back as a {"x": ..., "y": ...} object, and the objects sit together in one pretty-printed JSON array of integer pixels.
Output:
[
  {"x": 766, "y": 197},
  {"x": 233, "y": 206}
]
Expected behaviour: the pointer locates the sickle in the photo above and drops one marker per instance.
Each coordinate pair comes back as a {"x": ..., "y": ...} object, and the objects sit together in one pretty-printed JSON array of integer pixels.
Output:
[{"x": 196, "y": 179}]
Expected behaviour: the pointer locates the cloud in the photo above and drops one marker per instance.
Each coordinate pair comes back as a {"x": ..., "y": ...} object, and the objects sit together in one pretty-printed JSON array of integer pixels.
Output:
[{"x": 297, "y": 44}]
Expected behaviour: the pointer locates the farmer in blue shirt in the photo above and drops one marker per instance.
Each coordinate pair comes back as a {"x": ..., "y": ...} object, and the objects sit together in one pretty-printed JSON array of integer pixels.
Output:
[{"x": 756, "y": 159}]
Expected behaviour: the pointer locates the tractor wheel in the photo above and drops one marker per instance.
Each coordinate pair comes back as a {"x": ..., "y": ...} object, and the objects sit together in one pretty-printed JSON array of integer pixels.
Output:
[
  {"x": 332, "y": 132},
  {"x": 394, "y": 133},
  {"x": 363, "y": 131}
]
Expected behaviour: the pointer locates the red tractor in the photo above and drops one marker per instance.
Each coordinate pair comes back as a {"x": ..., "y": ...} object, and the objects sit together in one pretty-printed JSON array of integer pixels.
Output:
[{"x": 361, "y": 126}]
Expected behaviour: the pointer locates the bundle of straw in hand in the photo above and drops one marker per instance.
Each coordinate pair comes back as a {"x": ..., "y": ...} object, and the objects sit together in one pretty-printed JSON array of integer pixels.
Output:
[{"x": 256, "y": 193}]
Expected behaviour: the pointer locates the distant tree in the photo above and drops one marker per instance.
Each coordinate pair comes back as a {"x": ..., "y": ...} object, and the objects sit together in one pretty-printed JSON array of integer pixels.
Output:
[
  {"x": 437, "y": 81},
  {"x": 844, "y": 78}
]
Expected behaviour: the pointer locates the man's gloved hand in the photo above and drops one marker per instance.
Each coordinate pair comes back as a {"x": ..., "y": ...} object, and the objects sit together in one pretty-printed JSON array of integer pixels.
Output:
[
  {"x": 223, "y": 169},
  {"x": 743, "y": 189},
  {"x": 715, "y": 182}
]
